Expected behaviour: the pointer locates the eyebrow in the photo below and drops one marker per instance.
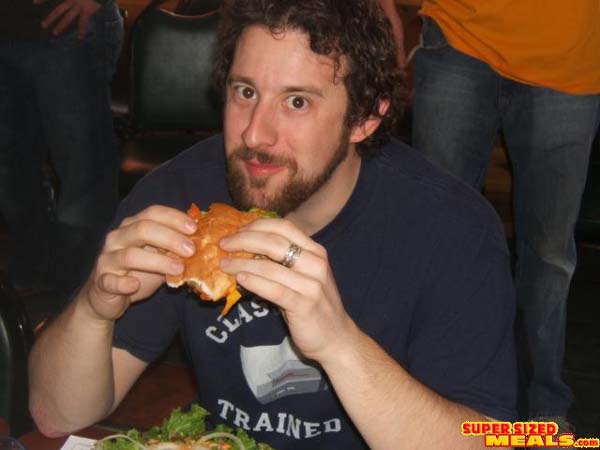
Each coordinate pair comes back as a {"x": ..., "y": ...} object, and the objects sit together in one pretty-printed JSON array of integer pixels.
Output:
[{"x": 288, "y": 89}]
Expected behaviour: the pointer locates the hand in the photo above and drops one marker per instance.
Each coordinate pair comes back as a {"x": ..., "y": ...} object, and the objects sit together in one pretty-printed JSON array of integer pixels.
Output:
[
  {"x": 67, "y": 12},
  {"x": 131, "y": 267},
  {"x": 306, "y": 293}
]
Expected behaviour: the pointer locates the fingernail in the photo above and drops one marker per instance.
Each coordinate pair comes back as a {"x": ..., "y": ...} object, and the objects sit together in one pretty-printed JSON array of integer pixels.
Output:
[
  {"x": 176, "y": 267},
  {"x": 241, "y": 277},
  {"x": 189, "y": 248},
  {"x": 224, "y": 243},
  {"x": 190, "y": 226}
]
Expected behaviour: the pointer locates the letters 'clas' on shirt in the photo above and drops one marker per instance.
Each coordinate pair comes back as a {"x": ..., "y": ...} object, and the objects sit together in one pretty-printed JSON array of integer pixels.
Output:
[{"x": 553, "y": 44}]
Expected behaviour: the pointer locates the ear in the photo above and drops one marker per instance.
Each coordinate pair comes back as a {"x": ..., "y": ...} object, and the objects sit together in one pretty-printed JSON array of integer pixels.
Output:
[{"x": 368, "y": 126}]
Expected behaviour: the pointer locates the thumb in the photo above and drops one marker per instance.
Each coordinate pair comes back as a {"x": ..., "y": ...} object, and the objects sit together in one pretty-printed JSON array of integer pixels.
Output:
[{"x": 110, "y": 296}]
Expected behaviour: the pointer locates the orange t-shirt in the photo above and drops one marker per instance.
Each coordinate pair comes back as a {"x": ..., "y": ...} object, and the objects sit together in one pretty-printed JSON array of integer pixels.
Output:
[{"x": 549, "y": 43}]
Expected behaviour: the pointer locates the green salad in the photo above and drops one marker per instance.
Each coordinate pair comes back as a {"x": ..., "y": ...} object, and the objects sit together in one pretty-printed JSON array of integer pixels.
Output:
[{"x": 182, "y": 431}]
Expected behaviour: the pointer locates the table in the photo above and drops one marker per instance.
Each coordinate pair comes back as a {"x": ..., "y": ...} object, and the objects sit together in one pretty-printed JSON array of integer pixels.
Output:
[{"x": 35, "y": 440}]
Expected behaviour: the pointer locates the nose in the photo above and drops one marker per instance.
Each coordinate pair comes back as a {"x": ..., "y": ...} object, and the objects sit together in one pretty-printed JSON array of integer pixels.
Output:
[{"x": 261, "y": 130}]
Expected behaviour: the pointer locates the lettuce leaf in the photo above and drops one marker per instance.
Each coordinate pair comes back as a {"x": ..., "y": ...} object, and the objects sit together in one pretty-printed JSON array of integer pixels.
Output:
[
  {"x": 249, "y": 443},
  {"x": 121, "y": 443},
  {"x": 181, "y": 425},
  {"x": 264, "y": 213}
]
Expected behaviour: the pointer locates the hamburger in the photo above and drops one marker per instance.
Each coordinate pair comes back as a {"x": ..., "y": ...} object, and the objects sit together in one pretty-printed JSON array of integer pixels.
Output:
[{"x": 202, "y": 273}]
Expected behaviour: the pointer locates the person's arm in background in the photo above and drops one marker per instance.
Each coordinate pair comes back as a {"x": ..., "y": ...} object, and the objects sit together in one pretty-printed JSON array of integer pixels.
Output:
[
  {"x": 76, "y": 377},
  {"x": 389, "y": 7},
  {"x": 67, "y": 12}
]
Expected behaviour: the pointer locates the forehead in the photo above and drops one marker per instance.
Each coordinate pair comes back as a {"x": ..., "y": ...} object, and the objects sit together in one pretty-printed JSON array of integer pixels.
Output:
[{"x": 283, "y": 58}]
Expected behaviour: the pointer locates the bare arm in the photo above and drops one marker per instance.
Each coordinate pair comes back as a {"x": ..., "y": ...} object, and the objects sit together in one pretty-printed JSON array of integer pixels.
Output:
[
  {"x": 389, "y": 7},
  {"x": 76, "y": 377},
  {"x": 390, "y": 408},
  {"x": 406, "y": 411}
]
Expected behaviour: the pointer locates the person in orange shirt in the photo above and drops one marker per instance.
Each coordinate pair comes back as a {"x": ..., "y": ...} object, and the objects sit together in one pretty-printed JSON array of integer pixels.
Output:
[{"x": 532, "y": 71}]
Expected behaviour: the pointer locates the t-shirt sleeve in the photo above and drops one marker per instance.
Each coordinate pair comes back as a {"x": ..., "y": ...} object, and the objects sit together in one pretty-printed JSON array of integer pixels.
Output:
[{"x": 462, "y": 344}]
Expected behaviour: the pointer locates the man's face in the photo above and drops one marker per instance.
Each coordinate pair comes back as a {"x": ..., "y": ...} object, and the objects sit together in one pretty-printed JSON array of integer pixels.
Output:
[{"x": 284, "y": 121}]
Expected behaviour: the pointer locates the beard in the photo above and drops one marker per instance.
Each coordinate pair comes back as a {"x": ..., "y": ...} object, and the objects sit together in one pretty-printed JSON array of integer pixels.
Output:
[{"x": 297, "y": 188}]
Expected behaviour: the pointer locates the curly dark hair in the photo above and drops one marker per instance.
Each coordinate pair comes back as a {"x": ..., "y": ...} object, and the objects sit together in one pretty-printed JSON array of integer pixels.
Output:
[{"x": 355, "y": 29}]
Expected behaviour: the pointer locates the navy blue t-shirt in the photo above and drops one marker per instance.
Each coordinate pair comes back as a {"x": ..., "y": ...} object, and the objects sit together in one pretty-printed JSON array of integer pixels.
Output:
[{"x": 422, "y": 267}]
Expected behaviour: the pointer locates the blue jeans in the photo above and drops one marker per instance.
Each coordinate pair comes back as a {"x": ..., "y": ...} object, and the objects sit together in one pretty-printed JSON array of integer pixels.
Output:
[
  {"x": 460, "y": 104},
  {"x": 55, "y": 104}
]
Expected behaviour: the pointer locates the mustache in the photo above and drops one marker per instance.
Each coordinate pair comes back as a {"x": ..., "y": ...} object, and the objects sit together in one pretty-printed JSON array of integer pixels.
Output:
[{"x": 246, "y": 154}]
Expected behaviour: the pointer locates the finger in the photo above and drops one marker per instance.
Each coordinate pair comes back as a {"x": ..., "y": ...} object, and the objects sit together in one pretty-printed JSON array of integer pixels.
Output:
[
  {"x": 272, "y": 245},
  {"x": 275, "y": 247},
  {"x": 165, "y": 215},
  {"x": 118, "y": 285},
  {"x": 55, "y": 14},
  {"x": 65, "y": 21},
  {"x": 148, "y": 233},
  {"x": 278, "y": 294},
  {"x": 300, "y": 283},
  {"x": 138, "y": 259},
  {"x": 288, "y": 230},
  {"x": 109, "y": 296}
]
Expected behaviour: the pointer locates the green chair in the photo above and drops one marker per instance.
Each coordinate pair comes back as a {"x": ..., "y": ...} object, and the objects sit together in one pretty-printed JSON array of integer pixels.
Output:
[
  {"x": 16, "y": 339},
  {"x": 588, "y": 227},
  {"x": 172, "y": 102}
]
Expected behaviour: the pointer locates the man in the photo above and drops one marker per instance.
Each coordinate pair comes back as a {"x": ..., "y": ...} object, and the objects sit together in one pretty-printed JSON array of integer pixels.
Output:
[
  {"x": 56, "y": 64},
  {"x": 394, "y": 323},
  {"x": 533, "y": 72}
]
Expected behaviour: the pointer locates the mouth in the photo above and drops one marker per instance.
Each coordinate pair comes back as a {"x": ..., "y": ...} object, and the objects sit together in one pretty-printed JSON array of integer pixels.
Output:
[{"x": 257, "y": 169}]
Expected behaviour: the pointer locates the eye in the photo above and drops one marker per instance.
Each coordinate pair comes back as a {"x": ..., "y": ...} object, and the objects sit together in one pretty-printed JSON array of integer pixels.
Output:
[
  {"x": 245, "y": 92},
  {"x": 297, "y": 102}
]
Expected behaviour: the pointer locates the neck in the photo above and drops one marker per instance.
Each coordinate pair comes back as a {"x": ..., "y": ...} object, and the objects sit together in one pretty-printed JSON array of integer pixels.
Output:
[{"x": 322, "y": 207}]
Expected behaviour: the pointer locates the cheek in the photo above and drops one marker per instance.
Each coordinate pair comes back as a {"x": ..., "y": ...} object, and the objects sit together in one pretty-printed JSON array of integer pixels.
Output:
[
  {"x": 314, "y": 143},
  {"x": 233, "y": 125}
]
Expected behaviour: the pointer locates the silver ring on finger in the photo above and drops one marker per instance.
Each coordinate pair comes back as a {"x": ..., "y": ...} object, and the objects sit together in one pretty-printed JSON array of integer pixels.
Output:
[{"x": 291, "y": 256}]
